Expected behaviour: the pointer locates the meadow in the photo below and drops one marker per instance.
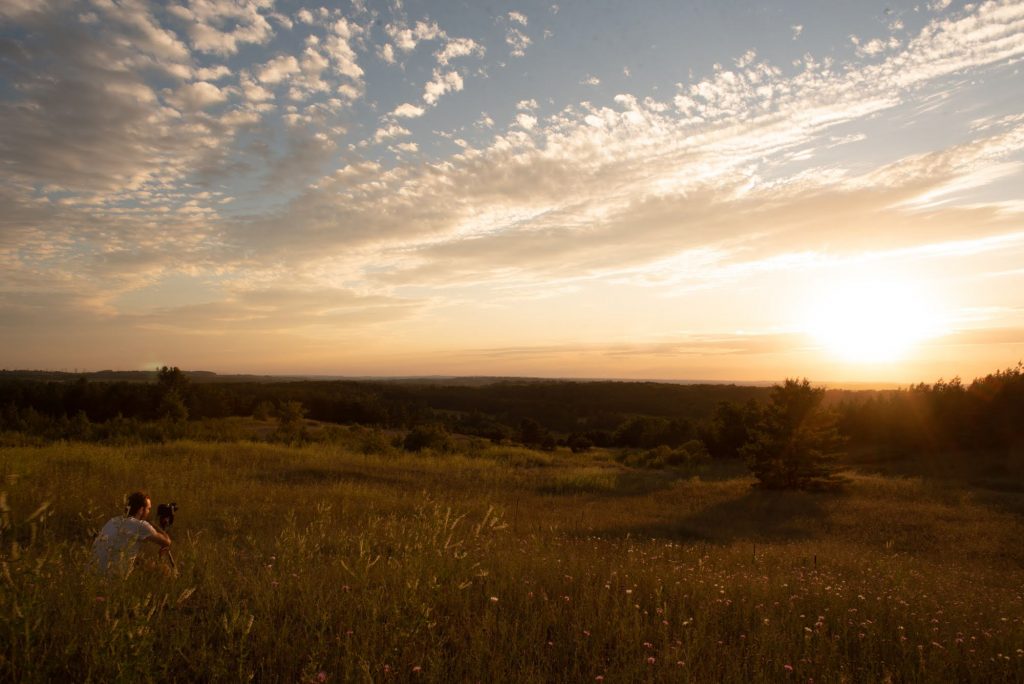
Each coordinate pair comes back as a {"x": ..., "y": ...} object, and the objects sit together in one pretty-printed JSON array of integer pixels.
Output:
[{"x": 357, "y": 562}]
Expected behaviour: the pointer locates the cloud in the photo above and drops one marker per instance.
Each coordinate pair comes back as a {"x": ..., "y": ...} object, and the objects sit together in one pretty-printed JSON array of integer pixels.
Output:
[
  {"x": 79, "y": 114},
  {"x": 459, "y": 47},
  {"x": 220, "y": 26},
  {"x": 252, "y": 91},
  {"x": 277, "y": 69},
  {"x": 442, "y": 83},
  {"x": 526, "y": 121},
  {"x": 196, "y": 96},
  {"x": 387, "y": 53},
  {"x": 213, "y": 73},
  {"x": 408, "y": 110},
  {"x": 391, "y": 130},
  {"x": 406, "y": 39},
  {"x": 338, "y": 47},
  {"x": 518, "y": 18},
  {"x": 518, "y": 41},
  {"x": 727, "y": 176}
]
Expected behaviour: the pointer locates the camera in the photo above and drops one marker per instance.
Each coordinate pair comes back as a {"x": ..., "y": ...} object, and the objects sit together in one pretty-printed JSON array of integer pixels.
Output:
[{"x": 165, "y": 514}]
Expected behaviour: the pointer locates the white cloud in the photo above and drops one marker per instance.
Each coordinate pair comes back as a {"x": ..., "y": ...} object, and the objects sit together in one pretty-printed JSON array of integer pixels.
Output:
[
  {"x": 406, "y": 39},
  {"x": 252, "y": 91},
  {"x": 518, "y": 17},
  {"x": 526, "y": 121},
  {"x": 387, "y": 53},
  {"x": 527, "y": 105},
  {"x": 219, "y": 26},
  {"x": 797, "y": 30},
  {"x": 518, "y": 41},
  {"x": 877, "y": 46},
  {"x": 407, "y": 147},
  {"x": 304, "y": 16},
  {"x": 214, "y": 73},
  {"x": 277, "y": 69},
  {"x": 591, "y": 81},
  {"x": 442, "y": 83},
  {"x": 343, "y": 56},
  {"x": 459, "y": 47},
  {"x": 391, "y": 130},
  {"x": 196, "y": 96},
  {"x": 408, "y": 110}
]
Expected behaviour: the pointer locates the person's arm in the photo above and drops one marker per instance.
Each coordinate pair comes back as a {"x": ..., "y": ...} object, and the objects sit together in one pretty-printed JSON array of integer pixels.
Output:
[
  {"x": 159, "y": 538},
  {"x": 155, "y": 536}
]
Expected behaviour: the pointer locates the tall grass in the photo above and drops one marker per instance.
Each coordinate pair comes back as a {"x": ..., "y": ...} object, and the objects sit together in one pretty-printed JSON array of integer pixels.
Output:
[{"x": 321, "y": 564}]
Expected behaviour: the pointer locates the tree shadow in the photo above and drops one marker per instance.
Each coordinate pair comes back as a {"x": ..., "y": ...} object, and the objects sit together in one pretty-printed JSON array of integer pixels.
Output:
[
  {"x": 321, "y": 476},
  {"x": 643, "y": 481},
  {"x": 758, "y": 515}
]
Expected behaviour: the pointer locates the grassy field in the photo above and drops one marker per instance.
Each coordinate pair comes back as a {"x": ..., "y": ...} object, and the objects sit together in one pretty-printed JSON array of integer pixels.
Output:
[{"x": 502, "y": 564}]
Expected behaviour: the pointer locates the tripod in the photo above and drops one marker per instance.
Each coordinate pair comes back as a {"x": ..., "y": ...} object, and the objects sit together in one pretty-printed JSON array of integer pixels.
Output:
[{"x": 165, "y": 521}]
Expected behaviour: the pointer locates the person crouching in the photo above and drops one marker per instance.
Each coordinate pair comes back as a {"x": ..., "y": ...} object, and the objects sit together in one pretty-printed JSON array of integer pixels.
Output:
[{"x": 118, "y": 545}]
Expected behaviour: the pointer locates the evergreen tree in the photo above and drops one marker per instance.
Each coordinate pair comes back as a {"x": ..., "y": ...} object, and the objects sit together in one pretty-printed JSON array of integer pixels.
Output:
[{"x": 795, "y": 444}]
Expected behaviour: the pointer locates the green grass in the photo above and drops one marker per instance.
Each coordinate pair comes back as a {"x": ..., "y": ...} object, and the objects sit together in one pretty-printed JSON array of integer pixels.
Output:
[{"x": 502, "y": 564}]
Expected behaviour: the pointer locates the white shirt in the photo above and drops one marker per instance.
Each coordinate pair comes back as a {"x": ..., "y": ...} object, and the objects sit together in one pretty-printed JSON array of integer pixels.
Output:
[{"x": 118, "y": 543}]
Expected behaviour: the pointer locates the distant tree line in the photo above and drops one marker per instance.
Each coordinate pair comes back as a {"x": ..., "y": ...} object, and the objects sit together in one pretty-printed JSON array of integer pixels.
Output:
[
  {"x": 986, "y": 415},
  {"x": 542, "y": 414},
  {"x": 658, "y": 423}
]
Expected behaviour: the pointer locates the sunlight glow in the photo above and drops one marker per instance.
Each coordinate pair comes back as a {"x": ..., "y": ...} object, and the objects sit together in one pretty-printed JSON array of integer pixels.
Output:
[{"x": 874, "y": 321}]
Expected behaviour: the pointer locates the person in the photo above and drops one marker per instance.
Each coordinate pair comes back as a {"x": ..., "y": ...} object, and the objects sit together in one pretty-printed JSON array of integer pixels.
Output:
[{"x": 119, "y": 543}]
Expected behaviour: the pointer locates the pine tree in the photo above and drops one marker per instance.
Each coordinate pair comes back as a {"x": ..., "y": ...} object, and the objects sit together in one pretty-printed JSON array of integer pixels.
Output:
[{"x": 795, "y": 443}]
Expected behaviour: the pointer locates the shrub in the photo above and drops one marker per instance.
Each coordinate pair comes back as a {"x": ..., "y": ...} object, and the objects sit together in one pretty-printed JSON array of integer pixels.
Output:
[{"x": 430, "y": 436}]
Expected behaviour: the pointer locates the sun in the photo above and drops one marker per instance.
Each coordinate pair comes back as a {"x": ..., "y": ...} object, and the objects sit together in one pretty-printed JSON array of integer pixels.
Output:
[{"x": 873, "y": 321}]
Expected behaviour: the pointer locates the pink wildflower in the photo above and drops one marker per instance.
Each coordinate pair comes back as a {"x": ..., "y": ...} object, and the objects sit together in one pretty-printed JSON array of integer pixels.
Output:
[{"x": 787, "y": 667}]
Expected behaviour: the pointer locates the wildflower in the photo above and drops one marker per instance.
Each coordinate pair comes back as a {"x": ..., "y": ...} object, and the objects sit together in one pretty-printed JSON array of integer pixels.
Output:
[
  {"x": 650, "y": 660},
  {"x": 321, "y": 676},
  {"x": 494, "y": 599},
  {"x": 416, "y": 669},
  {"x": 599, "y": 678},
  {"x": 787, "y": 667}
]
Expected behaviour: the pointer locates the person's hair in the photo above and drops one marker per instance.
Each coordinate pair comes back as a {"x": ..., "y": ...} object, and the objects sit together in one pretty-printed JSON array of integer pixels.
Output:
[{"x": 135, "y": 502}]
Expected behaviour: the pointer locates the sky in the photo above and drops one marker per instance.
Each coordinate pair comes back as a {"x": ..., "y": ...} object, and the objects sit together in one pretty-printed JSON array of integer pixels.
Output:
[{"x": 726, "y": 191}]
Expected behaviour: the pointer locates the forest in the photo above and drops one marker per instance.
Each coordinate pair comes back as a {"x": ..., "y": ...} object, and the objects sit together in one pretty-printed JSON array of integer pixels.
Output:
[{"x": 984, "y": 415}]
